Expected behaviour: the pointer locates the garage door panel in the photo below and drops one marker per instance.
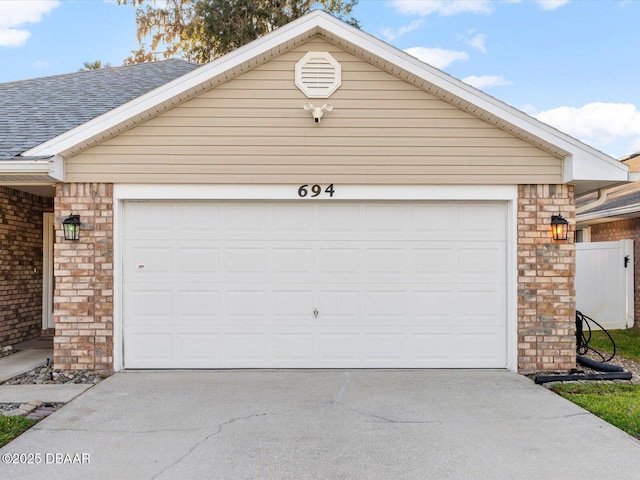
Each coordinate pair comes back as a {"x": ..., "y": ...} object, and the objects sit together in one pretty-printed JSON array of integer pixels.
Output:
[
  {"x": 240, "y": 220},
  {"x": 389, "y": 346},
  {"x": 292, "y": 261},
  {"x": 340, "y": 219},
  {"x": 292, "y": 346},
  {"x": 198, "y": 260},
  {"x": 434, "y": 262},
  {"x": 485, "y": 263},
  {"x": 150, "y": 307},
  {"x": 339, "y": 306},
  {"x": 434, "y": 304},
  {"x": 244, "y": 260},
  {"x": 339, "y": 261},
  {"x": 245, "y": 347},
  {"x": 482, "y": 347},
  {"x": 481, "y": 306},
  {"x": 293, "y": 219},
  {"x": 245, "y": 305},
  {"x": 387, "y": 260},
  {"x": 196, "y": 306},
  {"x": 150, "y": 259},
  {"x": 197, "y": 219},
  {"x": 292, "y": 305},
  {"x": 387, "y": 219},
  {"x": 434, "y": 347},
  {"x": 392, "y": 284},
  {"x": 339, "y": 347},
  {"x": 197, "y": 348},
  {"x": 482, "y": 222},
  {"x": 150, "y": 348}
]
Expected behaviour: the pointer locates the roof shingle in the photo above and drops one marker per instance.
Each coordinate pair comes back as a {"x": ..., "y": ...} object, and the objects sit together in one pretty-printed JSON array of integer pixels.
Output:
[{"x": 34, "y": 111}]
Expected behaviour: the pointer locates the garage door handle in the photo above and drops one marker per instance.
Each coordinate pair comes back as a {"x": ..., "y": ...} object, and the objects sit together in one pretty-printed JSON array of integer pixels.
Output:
[{"x": 315, "y": 312}]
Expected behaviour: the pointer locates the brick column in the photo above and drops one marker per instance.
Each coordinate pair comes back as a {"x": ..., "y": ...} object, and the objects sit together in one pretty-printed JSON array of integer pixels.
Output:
[
  {"x": 83, "y": 296},
  {"x": 546, "y": 270}
]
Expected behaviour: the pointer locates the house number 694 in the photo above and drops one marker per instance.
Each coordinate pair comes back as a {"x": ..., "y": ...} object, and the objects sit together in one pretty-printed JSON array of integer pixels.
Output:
[{"x": 315, "y": 190}]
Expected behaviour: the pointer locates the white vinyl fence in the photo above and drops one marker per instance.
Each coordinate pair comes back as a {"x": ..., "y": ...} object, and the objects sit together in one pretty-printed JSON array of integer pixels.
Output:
[{"x": 604, "y": 282}]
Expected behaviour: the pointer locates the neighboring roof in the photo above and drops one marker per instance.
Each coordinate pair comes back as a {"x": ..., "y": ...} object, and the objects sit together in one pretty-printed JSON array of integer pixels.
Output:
[
  {"x": 583, "y": 166},
  {"x": 622, "y": 201},
  {"x": 37, "y": 110}
]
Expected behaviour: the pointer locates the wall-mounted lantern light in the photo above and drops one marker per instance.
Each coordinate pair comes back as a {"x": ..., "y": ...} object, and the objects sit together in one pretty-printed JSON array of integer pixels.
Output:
[
  {"x": 559, "y": 227},
  {"x": 71, "y": 226}
]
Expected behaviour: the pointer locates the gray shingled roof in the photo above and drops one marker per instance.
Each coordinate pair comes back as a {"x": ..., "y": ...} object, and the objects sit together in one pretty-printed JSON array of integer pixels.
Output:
[
  {"x": 622, "y": 196},
  {"x": 34, "y": 111}
]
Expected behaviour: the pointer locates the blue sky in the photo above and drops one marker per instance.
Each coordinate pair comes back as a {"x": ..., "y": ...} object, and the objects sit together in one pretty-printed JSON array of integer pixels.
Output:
[{"x": 573, "y": 64}]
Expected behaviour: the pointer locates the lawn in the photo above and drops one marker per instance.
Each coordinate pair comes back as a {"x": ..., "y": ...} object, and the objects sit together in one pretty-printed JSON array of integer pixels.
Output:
[
  {"x": 11, "y": 427},
  {"x": 616, "y": 403},
  {"x": 627, "y": 342}
]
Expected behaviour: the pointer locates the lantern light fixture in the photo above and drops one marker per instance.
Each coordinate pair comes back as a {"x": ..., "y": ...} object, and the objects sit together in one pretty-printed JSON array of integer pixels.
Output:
[
  {"x": 71, "y": 227},
  {"x": 559, "y": 227}
]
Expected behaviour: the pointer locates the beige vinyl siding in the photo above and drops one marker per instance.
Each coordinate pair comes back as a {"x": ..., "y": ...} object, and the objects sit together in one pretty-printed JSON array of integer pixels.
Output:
[{"x": 253, "y": 129}]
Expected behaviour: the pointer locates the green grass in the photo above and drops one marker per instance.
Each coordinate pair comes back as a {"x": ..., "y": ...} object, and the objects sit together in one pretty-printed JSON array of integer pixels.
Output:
[
  {"x": 618, "y": 404},
  {"x": 11, "y": 427},
  {"x": 627, "y": 342}
]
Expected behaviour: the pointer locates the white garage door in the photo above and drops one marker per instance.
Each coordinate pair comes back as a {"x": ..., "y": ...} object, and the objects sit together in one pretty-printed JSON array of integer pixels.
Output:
[{"x": 315, "y": 284}]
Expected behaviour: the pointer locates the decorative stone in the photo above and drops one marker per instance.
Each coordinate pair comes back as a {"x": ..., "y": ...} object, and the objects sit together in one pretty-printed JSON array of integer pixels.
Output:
[
  {"x": 25, "y": 407},
  {"x": 15, "y": 413},
  {"x": 36, "y": 403}
]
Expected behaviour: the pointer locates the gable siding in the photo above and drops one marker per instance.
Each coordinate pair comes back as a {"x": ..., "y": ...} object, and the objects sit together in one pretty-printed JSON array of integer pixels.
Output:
[{"x": 253, "y": 130}]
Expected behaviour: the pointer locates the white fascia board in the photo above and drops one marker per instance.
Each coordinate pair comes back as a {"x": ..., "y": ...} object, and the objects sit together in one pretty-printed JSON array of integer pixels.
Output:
[
  {"x": 613, "y": 212},
  {"x": 584, "y": 166},
  {"x": 25, "y": 166},
  {"x": 52, "y": 167},
  {"x": 573, "y": 169}
]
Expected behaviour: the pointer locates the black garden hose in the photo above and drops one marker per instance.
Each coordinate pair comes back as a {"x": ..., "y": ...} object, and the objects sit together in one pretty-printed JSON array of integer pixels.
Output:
[{"x": 584, "y": 337}]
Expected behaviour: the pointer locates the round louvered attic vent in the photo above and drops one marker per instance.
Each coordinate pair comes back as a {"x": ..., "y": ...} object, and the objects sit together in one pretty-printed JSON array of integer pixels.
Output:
[{"x": 318, "y": 74}]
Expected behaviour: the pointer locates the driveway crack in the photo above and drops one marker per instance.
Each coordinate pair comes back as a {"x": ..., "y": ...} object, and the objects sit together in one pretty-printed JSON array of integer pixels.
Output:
[{"x": 205, "y": 439}]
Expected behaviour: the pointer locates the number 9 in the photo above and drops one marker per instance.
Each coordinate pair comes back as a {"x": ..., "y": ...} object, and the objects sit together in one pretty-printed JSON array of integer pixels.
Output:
[{"x": 316, "y": 190}]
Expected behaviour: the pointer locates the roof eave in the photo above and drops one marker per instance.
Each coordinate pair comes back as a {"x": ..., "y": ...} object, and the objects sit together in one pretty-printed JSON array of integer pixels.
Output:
[{"x": 32, "y": 170}]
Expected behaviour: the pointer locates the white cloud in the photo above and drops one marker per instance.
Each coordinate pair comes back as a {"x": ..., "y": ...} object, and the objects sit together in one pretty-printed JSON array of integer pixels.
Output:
[
  {"x": 544, "y": 4},
  {"x": 599, "y": 124},
  {"x": 437, "y": 57},
  {"x": 18, "y": 13},
  {"x": 478, "y": 42},
  {"x": 442, "y": 7},
  {"x": 391, "y": 35},
  {"x": 12, "y": 37},
  {"x": 551, "y": 4},
  {"x": 486, "y": 81}
]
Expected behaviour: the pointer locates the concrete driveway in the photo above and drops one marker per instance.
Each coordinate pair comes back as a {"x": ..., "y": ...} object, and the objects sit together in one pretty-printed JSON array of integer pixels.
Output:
[{"x": 325, "y": 424}]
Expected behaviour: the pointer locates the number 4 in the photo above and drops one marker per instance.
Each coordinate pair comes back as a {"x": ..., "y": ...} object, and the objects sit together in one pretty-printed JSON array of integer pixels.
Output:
[{"x": 329, "y": 190}]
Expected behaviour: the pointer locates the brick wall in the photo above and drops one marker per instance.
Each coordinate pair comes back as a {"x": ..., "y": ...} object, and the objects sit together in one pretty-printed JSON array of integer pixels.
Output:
[
  {"x": 622, "y": 230},
  {"x": 546, "y": 269},
  {"x": 21, "y": 264},
  {"x": 83, "y": 298}
]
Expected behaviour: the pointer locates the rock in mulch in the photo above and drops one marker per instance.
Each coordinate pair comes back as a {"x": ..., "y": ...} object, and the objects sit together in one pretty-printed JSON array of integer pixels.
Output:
[
  {"x": 5, "y": 351},
  {"x": 35, "y": 409},
  {"x": 46, "y": 375}
]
